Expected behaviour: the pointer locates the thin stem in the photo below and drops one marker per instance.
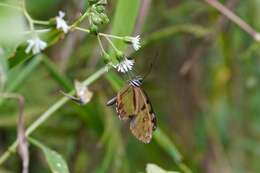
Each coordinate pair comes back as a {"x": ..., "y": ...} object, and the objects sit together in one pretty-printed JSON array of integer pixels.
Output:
[
  {"x": 35, "y": 31},
  {"x": 112, "y": 44},
  {"x": 28, "y": 17},
  {"x": 234, "y": 18},
  {"x": 50, "y": 112},
  {"x": 100, "y": 33},
  {"x": 82, "y": 29},
  {"x": 77, "y": 22},
  {"x": 41, "y": 22},
  {"x": 101, "y": 45},
  {"x": 11, "y": 6},
  {"x": 111, "y": 36}
]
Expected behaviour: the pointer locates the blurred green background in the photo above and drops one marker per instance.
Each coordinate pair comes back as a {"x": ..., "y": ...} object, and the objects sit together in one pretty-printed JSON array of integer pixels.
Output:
[{"x": 203, "y": 87}]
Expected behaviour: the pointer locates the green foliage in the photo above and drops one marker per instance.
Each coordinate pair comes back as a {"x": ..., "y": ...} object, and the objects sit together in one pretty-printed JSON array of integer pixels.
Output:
[{"x": 207, "y": 119}]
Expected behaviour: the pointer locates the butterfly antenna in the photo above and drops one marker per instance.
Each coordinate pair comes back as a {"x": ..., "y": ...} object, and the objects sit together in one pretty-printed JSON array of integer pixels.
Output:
[{"x": 151, "y": 65}]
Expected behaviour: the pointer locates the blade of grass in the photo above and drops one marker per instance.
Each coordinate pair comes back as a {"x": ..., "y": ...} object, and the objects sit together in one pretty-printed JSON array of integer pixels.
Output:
[
  {"x": 164, "y": 141},
  {"x": 123, "y": 24},
  {"x": 61, "y": 79},
  {"x": 23, "y": 75}
]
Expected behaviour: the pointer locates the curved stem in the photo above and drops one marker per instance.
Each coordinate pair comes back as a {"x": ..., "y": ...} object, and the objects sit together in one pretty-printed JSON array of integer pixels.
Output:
[
  {"x": 27, "y": 16},
  {"x": 77, "y": 22},
  {"x": 50, "y": 112},
  {"x": 101, "y": 45}
]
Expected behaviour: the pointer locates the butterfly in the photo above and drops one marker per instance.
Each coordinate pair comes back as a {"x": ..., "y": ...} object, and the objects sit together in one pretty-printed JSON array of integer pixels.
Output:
[
  {"x": 132, "y": 103},
  {"x": 82, "y": 92}
]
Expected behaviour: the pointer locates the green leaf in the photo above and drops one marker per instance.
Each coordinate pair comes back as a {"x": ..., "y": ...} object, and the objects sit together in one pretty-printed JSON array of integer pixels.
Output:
[
  {"x": 153, "y": 168},
  {"x": 124, "y": 20},
  {"x": 55, "y": 161}
]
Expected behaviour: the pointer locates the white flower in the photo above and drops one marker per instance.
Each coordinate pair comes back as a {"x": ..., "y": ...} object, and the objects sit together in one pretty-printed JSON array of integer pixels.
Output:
[
  {"x": 125, "y": 65},
  {"x": 136, "y": 42},
  {"x": 61, "y": 23},
  {"x": 35, "y": 45}
]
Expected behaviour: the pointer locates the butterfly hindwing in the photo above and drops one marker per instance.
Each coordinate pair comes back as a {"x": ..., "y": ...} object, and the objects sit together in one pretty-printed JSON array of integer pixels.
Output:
[{"x": 144, "y": 122}]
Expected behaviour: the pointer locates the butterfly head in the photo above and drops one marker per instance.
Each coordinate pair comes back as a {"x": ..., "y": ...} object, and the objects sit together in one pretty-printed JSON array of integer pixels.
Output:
[{"x": 136, "y": 82}]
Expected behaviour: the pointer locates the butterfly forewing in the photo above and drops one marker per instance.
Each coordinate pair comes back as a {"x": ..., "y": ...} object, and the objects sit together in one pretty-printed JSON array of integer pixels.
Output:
[
  {"x": 144, "y": 122},
  {"x": 125, "y": 103}
]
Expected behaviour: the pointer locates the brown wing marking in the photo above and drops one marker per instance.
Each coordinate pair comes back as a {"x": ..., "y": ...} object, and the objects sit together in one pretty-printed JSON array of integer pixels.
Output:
[
  {"x": 144, "y": 121},
  {"x": 125, "y": 104}
]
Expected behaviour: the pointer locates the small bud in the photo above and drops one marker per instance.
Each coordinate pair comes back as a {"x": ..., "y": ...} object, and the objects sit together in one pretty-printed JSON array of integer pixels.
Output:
[
  {"x": 103, "y": 2},
  {"x": 94, "y": 29},
  {"x": 100, "y": 9},
  {"x": 104, "y": 18},
  {"x": 106, "y": 56},
  {"x": 96, "y": 19},
  {"x": 119, "y": 55}
]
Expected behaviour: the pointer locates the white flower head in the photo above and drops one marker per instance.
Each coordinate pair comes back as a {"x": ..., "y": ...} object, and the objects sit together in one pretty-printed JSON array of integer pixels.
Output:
[
  {"x": 125, "y": 65},
  {"x": 61, "y": 23},
  {"x": 35, "y": 45},
  {"x": 136, "y": 42}
]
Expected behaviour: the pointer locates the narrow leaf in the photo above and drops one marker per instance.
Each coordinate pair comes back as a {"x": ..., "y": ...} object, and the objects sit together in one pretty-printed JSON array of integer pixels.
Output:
[{"x": 55, "y": 161}]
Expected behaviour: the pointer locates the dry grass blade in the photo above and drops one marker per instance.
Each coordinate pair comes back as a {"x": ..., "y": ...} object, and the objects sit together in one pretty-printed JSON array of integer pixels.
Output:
[
  {"x": 21, "y": 136},
  {"x": 22, "y": 140}
]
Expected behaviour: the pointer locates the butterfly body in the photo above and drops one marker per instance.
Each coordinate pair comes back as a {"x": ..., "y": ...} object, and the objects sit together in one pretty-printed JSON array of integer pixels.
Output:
[{"x": 133, "y": 104}]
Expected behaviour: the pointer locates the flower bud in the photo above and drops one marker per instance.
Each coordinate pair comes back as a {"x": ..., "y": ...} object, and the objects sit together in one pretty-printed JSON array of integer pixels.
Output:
[
  {"x": 100, "y": 8},
  {"x": 104, "y": 18},
  {"x": 94, "y": 29}
]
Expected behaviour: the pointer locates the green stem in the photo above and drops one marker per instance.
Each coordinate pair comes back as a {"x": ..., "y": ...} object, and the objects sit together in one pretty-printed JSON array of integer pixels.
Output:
[
  {"x": 100, "y": 44},
  {"x": 27, "y": 16},
  {"x": 111, "y": 36},
  {"x": 113, "y": 46},
  {"x": 11, "y": 6},
  {"x": 40, "y": 22},
  {"x": 36, "y": 31},
  {"x": 82, "y": 29},
  {"x": 77, "y": 22},
  {"x": 50, "y": 112}
]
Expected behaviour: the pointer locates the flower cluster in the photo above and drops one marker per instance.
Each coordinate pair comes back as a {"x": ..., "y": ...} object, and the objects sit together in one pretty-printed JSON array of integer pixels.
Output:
[
  {"x": 36, "y": 45},
  {"x": 125, "y": 65},
  {"x": 97, "y": 17}
]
